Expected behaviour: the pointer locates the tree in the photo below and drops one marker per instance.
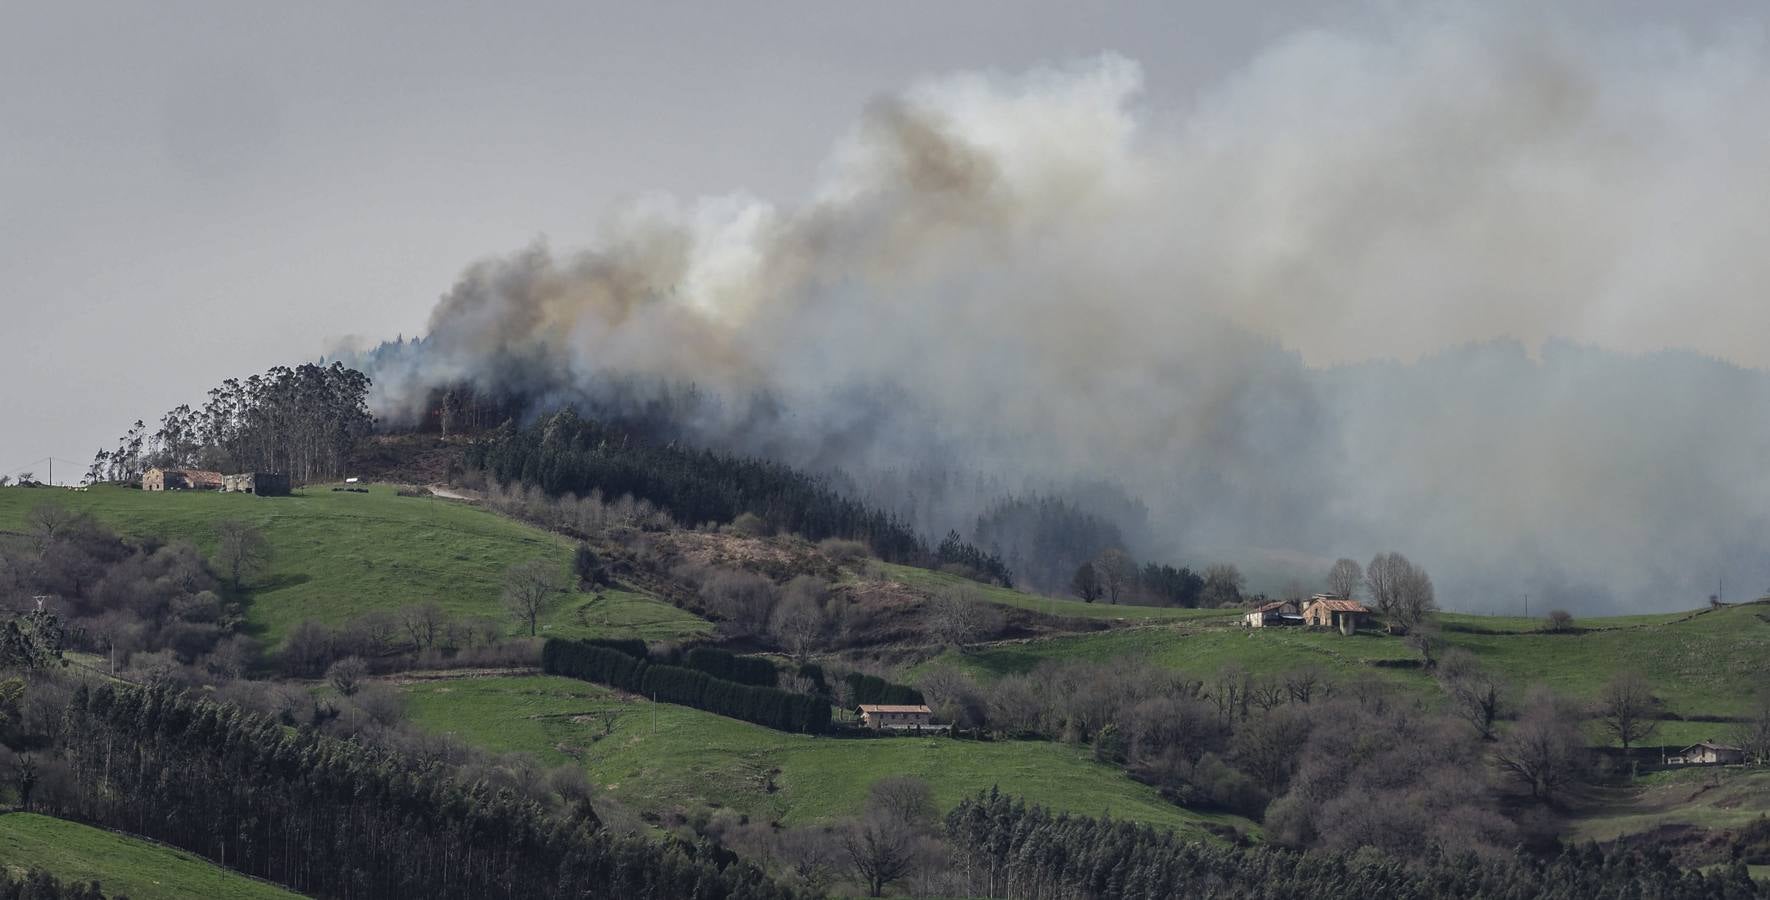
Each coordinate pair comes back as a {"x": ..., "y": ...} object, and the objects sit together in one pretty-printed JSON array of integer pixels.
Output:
[
  {"x": 1401, "y": 591},
  {"x": 1474, "y": 692},
  {"x": 1343, "y": 579},
  {"x": 1543, "y": 750},
  {"x": 241, "y": 550},
  {"x": 1117, "y": 572},
  {"x": 1086, "y": 583},
  {"x": 588, "y": 567},
  {"x": 1753, "y": 734},
  {"x": 527, "y": 588},
  {"x": 48, "y": 521},
  {"x": 799, "y": 620},
  {"x": 880, "y": 852},
  {"x": 1223, "y": 585},
  {"x": 1626, "y": 707},
  {"x": 347, "y": 674},
  {"x": 1559, "y": 621},
  {"x": 422, "y": 622},
  {"x": 959, "y": 617}
]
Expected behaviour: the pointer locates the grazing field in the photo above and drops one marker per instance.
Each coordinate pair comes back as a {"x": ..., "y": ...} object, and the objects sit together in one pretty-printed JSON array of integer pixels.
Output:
[
  {"x": 122, "y": 865},
  {"x": 926, "y": 579},
  {"x": 1723, "y": 797},
  {"x": 661, "y": 757},
  {"x": 339, "y": 554},
  {"x": 1702, "y": 664}
]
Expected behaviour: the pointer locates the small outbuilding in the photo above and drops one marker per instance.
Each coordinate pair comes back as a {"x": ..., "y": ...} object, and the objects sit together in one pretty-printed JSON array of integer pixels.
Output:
[
  {"x": 157, "y": 479},
  {"x": 1278, "y": 612},
  {"x": 264, "y": 484},
  {"x": 1338, "y": 613},
  {"x": 888, "y": 717},
  {"x": 1707, "y": 753}
]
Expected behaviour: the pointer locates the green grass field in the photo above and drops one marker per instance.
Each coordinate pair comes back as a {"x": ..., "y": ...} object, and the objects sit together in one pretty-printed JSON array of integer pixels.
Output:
[
  {"x": 926, "y": 579},
  {"x": 1727, "y": 797},
  {"x": 340, "y": 554},
  {"x": 662, "y": 757},
  {"x": 122, "y": 865},
  {"x": 1705, "y": 664}
]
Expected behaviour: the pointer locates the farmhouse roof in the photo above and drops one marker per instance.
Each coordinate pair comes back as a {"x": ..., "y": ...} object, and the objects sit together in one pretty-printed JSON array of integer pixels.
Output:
[
  {"x": 1269, "y": 607},
  {"x": 1338, "y": 605},
  {"x": 1708, "y": 745},
  {"x": 201, "y": 476},
  {"x": 893, "y": 708}
]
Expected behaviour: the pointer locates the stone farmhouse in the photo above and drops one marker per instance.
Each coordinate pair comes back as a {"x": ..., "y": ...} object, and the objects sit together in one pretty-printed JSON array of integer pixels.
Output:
[
  {"x": 267, "y": 484},
  {"x": 1338, "y": 613},
  {"x": 1707, "y": 753},
  {"x": 888, "y": 717}
]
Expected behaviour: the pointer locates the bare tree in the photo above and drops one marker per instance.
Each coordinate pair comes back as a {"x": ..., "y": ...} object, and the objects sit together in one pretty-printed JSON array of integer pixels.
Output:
[
  {"x": 48, "y": 520},
  {"x": 1559, "y": 621},
  {"x": 1381, "y": 580},
  {"x": 881, "y": 852},
  {"x": 527, "y": 589},
  {"x": 1343, "y": 579},
  {"x": 960, "y": 617},
  {"x": 800, "y": 621},
  {"x": 1543, "y": 750},
  {"x": 1268, "y": 692},
  {"x": 423, "y": 623},
  {"x": 1753, "y": 734},
  {"x": 1626, "y": 709},
  {"x": 1303, "y": 683},
  {"x": 241, "y": 550},
  {"x": 1475, "y": 693},
  {"x": 347, "y": 674},
  {"x": 1117, "y": 573}
]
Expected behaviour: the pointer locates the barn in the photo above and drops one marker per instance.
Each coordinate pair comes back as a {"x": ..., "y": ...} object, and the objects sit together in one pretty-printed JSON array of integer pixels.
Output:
[
  {"x": 1278, "y": 612},
  {"x": 1338, "y": 613},
  {"x": 887, "y": 717},
  {"x": 1707, "y": 753},
  {"x": 264, "y": 484},
  {"x": 158, "y": 479}
]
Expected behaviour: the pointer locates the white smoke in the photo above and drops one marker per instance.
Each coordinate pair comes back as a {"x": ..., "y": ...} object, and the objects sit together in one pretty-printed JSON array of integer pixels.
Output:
[{"x": 1253, "y": 311}]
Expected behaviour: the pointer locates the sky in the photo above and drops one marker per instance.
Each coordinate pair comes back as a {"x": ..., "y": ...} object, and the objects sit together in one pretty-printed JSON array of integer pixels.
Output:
[{"x": 193, "y": 191}]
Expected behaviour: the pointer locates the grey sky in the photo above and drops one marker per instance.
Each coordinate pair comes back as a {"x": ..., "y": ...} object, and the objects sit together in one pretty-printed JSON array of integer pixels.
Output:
[{"x": 195, "y": 191}]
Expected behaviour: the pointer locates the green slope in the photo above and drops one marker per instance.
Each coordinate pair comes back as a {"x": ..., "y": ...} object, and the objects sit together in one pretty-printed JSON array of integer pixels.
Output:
[
  {"x": 662, "y": 757},
  {"x": 1701, "y": 664},
  {"x": 122, "y": 865},
  {"x": 929, "y": 580},
  {"x": 340, "y": 554}
]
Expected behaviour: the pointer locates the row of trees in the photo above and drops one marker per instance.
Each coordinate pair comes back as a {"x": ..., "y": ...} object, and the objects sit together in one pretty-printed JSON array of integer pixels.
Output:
[
  {"x": 1008, "y": 848},
  {"x": 1400, "y": 591},
  {"x": 768, "y": 706},
  {"x": 343, "y": 819},
  {"x": 304, "y": 421}
]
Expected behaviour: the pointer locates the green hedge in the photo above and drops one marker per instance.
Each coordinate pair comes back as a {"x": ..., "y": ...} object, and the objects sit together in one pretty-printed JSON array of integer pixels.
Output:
[
  {"x": 766, "y": 706},
  {"x": 732, "y": 667}
]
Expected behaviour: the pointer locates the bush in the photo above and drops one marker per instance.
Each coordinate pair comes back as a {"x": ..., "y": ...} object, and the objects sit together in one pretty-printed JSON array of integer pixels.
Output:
[{"x": 1558, "y": 621}]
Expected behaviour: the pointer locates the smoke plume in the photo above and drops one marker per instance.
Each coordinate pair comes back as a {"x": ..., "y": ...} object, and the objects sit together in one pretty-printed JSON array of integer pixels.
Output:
[{"x": 1481, "y": 294}]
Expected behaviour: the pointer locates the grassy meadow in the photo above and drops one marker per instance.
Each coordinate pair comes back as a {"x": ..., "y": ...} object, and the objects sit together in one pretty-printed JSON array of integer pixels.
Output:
[
  {"x": 339, "y": 554},
  {"x": 661, "y": 757},
  {"x": 929, "y": 580},
  {"x": 122, "y": 865},
  {"x": 1703, "y": 664}
]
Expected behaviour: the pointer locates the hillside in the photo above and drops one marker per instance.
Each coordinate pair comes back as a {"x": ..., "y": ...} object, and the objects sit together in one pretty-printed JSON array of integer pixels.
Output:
[
  {"x": 339, "y": 554},
  {"x": 661, "y": 758},
  {"x": 122, "y": 865},
  {"x": 1701, "y": 665}
]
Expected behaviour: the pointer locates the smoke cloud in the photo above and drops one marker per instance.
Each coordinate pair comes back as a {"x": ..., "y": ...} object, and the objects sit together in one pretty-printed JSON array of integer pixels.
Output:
[{"x": 1482, "y": 294}]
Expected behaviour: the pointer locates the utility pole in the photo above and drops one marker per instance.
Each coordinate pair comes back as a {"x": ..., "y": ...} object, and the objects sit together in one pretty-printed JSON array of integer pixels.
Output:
[{"x": 1527, "y": 606}]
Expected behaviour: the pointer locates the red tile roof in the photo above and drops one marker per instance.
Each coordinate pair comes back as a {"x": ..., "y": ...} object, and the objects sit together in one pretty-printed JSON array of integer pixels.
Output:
[
  {"x": 1340, "y": 605},
  {"x": 888, "y": 708}
]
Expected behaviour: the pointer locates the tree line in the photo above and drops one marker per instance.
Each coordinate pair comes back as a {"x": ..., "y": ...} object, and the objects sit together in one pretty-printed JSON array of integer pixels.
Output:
[
  {"x": 767, "y": 706},
  {"x": 1008, "y": 848},
  {"x": 342, "y": 819},
  {"x": 566, "y": 454},
  {"x": 303, "y": 421}
]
